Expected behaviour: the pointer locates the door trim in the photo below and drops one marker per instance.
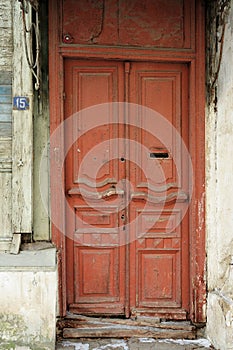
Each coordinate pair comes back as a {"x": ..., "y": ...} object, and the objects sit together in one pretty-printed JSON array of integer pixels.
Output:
[{"x": 196, "y": 61}]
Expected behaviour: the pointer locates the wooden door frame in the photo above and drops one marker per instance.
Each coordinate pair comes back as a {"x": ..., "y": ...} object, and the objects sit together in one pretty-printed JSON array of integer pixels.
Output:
[{"x": 195, "y": 57}]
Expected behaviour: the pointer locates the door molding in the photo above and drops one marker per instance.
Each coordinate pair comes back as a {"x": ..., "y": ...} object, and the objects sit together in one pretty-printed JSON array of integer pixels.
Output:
[{"x": 196, "y": 61}]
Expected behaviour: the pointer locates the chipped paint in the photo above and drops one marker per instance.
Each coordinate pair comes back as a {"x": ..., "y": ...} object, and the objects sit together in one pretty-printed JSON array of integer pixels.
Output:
[
  {"x": 219, "y": 171},
  {"x": 201, "y": 212}
]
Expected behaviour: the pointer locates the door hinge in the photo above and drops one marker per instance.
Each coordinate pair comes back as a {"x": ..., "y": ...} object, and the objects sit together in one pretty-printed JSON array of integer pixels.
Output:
[{"x": 64, "y": 95}]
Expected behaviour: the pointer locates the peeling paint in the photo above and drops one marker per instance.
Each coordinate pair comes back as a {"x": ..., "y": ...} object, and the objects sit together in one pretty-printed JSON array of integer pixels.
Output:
[
  {"x": 229, "y": 319},
  {"x": 219, "y": 171},
  {"x": 201, "y": 211}
]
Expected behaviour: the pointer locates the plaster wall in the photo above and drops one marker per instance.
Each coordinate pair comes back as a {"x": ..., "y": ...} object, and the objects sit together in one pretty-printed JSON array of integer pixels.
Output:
[
  {"x": 28, "y": 284},
  {"x": 219, "y": 195}
]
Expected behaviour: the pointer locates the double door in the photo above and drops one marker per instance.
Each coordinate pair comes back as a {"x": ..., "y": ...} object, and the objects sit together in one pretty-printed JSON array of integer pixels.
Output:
[{"x": 127, "y": 183}]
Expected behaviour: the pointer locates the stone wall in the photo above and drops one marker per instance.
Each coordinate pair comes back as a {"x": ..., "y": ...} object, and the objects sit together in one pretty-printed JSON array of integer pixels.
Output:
[{"x": 219, "y": 174}]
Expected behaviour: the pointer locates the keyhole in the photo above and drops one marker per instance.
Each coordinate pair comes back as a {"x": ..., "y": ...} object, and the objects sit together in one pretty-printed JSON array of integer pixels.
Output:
[
  {"x": 123, "y": 217},
  {"x": 122, "y": 159}
]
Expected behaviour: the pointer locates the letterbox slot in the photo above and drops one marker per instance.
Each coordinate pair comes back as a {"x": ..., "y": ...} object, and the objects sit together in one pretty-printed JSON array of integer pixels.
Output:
[{"x": 158, "y": 155}]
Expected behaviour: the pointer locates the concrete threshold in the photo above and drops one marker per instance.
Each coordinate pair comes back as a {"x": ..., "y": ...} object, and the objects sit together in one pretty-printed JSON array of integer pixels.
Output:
[{"x": 134, "y": 344}]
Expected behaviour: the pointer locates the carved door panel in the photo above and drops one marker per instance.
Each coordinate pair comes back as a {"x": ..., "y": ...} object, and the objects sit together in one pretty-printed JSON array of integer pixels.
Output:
[
  {"x": 159, "y": 252},
  {"x": 127, "y": 249},
  {"x": 95, "y": 251}
]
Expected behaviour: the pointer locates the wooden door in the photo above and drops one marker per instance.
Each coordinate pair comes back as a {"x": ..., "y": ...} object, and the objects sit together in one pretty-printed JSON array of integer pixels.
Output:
[
  {"x": 127, "y": 251},
  {"x": 159, "y": 249},
  {"x": 95, "y": 250}
]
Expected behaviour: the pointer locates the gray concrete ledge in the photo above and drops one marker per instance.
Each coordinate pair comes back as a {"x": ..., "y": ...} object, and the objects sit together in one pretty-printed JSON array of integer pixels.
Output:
[{"x": 40, "y": 260}]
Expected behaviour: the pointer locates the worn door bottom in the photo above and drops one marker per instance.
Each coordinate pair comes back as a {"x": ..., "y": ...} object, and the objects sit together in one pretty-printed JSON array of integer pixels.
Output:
[{"x": 78, "y": 326}]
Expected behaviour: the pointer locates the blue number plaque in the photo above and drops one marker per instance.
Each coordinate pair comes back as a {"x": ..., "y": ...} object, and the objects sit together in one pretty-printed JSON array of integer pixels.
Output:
[{"x": 20, "y": 103}]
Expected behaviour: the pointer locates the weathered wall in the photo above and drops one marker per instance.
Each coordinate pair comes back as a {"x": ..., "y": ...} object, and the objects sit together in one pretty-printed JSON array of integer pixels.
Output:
[
  {"x": 28, "y": 280},
  {"x": 6, "y": 50},
  {"x": 22, "y": 132},
  {"x": 41, "y": 223},
  {"x": 22, "y": 137},
  {"x": 219, "y": 175},
  {"x": 28, "y": 284}
]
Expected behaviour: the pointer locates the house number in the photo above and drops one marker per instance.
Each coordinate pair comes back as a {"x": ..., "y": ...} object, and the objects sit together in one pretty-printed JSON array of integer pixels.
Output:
[{"x": 20, "y": 103}]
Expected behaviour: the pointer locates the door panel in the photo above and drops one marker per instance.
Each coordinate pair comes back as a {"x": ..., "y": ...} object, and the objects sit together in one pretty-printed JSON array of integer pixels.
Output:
[
  {"x": 95, "y": 83},
  {"x": 159, "y": 247},
  {"x": 136, "y": 23},
  {"x": 158, "y": 286},
  {"x": 101, "y": 277},
  {"x": 158, "y": 87},
  {"x": 101, "y": 265},
  {"x": 95, "y": 251}
]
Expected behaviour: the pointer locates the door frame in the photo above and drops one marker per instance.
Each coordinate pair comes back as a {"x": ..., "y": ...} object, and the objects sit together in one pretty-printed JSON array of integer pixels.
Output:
[{"x": 195, "y": 58}]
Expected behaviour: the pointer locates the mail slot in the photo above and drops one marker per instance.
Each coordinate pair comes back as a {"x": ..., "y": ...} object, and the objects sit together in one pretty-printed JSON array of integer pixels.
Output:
[{"x": 159, "y": 155}]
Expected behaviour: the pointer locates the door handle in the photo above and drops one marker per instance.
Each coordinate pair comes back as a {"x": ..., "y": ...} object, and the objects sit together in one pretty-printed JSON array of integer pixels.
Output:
[
  {"x": 96, "y": 195},
  {"x": 111, "y": 192}
]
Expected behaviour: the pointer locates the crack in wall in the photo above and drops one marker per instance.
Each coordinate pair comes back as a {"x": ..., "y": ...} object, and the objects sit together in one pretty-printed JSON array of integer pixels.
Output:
[{"x": 101, "y": 25}]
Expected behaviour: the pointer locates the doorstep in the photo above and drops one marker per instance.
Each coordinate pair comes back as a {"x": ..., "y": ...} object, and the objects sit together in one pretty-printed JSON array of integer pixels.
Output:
[
  {"x": 134, "y": 344},
  {"x": 79, "y": 326}
]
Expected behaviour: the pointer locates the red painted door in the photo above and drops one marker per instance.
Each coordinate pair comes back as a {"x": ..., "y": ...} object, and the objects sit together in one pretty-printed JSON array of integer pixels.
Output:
[
  {"x": 159, "y": 249},
  {"x": 95, "y": 252},
  {"x": 128, "y": 249}
]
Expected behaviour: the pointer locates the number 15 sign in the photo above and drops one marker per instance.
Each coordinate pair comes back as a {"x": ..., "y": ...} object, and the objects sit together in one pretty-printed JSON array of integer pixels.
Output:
[{"x": 20, "y": 103}]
